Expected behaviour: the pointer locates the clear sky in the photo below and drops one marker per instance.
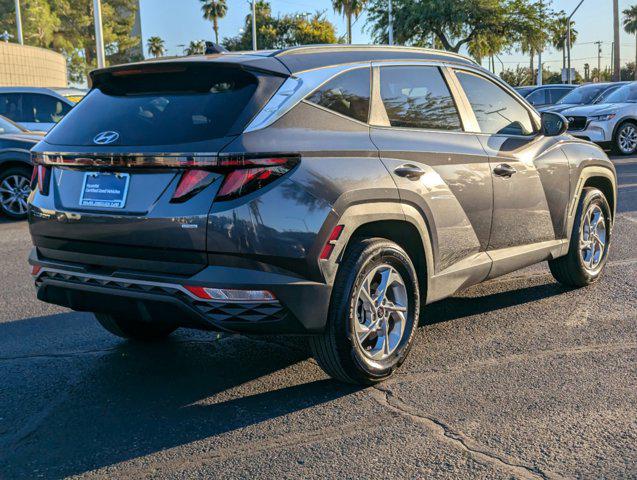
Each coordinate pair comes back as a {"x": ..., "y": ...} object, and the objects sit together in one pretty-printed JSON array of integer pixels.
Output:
[{"x": 180, "y": 21}]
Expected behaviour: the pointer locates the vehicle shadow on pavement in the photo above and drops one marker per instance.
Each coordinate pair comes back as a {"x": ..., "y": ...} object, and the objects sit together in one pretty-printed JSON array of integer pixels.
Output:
[
  {"x": 129, "y": 400},
  {"x": 465, "y": 306},
  {"x": 134, "y": 399}
]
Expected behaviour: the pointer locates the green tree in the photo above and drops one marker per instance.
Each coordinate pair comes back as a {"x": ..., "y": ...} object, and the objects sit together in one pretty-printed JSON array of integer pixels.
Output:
[
  {"x": 559, "y": 35},
  {"x": 453, "y": 22},
  {"x": 213, "y": 10},
  {"x": 66, "y": 26},
  {"x": 630, "y": 25},
  {"x": 156, "y": 47},
  {"x": 283, "y": 31},
  {"x": 196, "y": 47},
  {"x": 349, "y": 9}
]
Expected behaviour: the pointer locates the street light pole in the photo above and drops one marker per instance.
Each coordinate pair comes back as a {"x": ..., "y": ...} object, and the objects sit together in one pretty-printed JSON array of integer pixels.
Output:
[
  {"x": 568, "y": 42},
  {"x": 390, "y": 23},
  {"x": 254, "y": 25},
  {"x": 18, "y": 22},
  {"x": 99, "y": 37}
]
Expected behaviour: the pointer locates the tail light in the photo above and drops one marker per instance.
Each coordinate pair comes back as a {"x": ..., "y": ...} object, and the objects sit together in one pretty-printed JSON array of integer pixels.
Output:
[
  {"x": 242, "y": 176},
  {"x": 41, "y": 177},
  {"x": 191, "y": 183}
]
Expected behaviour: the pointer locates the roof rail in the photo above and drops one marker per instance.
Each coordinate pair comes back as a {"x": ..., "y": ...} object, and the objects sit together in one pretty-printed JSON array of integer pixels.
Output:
[{"x": 380, "y": 48}]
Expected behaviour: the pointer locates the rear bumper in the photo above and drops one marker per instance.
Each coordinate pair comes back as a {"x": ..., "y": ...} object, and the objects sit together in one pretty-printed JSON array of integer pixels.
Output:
[{"x": 301, "y": 306}]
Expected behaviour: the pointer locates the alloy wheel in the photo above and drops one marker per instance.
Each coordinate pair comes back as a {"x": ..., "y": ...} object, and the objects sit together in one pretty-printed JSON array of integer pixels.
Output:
[
  {"x": 14, "y": 192},
  {"x": 627, "y": 139},
  {"x": 381, "y": 308},
  {"x": 593, "y": 238}
]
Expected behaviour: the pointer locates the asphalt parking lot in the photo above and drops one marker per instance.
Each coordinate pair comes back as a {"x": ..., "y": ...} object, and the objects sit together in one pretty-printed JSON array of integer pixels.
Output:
[{"x": 516, "y": 378}]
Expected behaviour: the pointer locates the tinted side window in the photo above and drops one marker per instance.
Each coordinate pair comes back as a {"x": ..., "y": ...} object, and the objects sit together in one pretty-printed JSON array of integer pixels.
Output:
[
  {"x": 495, "y": 110},
  {"x": 46, "y": 109},
  {"x": 11, "y": 106},
  {"x": 418, "y": 97},
  {"x": 347, "y": 94},
  {"x": 538, "y": 97},
  {"x": 558, "y": 93}
]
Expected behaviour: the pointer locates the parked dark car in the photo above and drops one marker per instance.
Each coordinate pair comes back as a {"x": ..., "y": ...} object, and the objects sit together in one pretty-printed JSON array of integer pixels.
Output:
[
  {"x": 589, "y": 94},
  {"x": 328, "y": 190},
  {"x": 544, "y": 95},
  {"x": 15, "y": 168}
]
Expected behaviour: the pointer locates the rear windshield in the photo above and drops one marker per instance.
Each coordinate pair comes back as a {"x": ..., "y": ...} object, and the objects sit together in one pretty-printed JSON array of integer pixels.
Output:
[{"x": 169, "y": 105}]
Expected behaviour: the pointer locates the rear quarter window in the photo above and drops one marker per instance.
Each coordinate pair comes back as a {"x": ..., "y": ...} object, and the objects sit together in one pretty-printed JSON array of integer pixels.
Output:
[
  {"x": 180, "y": 105},
  {"x": 347, "y": 94}
]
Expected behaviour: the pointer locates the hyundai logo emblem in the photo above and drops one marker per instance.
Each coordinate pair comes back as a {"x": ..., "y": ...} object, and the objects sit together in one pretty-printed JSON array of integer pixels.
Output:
[{"x": 105, "y": 138}]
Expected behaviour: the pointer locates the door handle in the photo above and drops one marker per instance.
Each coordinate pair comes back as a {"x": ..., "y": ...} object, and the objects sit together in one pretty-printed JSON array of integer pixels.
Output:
[
  {"x": 410, "y": 171},
  {"x": 504, "y": 170}
]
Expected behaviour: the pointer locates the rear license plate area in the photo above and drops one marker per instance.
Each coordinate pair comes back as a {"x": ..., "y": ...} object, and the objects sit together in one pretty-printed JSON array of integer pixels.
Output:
[{"x": 104, "y": 190}]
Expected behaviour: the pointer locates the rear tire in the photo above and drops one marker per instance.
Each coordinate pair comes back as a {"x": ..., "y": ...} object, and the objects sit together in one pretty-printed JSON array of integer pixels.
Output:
[
  {"x": 370, "y": 328},
  {"x": 15, "y": 188},
  {"x": 588, "y": 249},
  {"x": 134, "y": 329}
]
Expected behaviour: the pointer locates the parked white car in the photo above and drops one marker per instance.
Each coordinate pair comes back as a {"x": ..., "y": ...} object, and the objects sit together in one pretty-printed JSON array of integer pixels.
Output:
[
  {"x": 36, "y": 109},
  {"x": 610, "y": 124}
]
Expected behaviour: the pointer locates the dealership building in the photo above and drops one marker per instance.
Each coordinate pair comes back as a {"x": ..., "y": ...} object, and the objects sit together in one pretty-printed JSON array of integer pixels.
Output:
[{"x": 26, "y": 66}]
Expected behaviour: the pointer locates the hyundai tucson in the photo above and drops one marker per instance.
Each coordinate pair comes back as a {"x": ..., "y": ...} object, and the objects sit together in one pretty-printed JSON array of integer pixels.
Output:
[{"x": 330, "y": 191}]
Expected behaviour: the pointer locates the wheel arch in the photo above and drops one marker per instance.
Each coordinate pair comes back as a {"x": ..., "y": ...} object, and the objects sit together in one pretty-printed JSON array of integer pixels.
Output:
[
  {"x": 392, "y": 223},
  {"x": 596, "y": 176}
]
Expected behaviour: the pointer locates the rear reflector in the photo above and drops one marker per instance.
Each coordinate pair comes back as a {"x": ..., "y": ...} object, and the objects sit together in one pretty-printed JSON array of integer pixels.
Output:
[
  {"x": 231, "y": 295},
  {"x": 35, "y": 270},
  {"x": 331, "y": 242}
]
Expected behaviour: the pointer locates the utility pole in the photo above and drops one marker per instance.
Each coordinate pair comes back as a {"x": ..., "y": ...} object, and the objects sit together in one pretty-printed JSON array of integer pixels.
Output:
[
  {"x": 254, "y": 25},
  {"x": 599, "y": 60},
  {"x": 18, "y": 22},
  {"x": 390, "y": 23},
  {"x": 539, "y": 53},
  {"x": 568, "y": 41},
  {"x": 616, "y": 49},
  {"x": 99, "y": 37}
]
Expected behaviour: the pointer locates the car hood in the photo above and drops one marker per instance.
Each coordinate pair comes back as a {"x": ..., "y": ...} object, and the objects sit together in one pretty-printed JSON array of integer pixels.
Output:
[
  {"x": 601, "y": 109},
  {"x": 559, "y": 108}
]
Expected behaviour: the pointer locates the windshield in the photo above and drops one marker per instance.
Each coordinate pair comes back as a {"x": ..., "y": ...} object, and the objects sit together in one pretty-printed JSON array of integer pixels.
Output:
[
  {"x": 603, "y": 98},
  {"x": 7, "y": 126},
  {"x": 626, "y": 94},
  {"x": 582, "y": 95}
]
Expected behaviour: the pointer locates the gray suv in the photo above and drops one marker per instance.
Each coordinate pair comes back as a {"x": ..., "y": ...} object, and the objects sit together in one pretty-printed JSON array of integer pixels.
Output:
[{"x": 330, "y": 191}]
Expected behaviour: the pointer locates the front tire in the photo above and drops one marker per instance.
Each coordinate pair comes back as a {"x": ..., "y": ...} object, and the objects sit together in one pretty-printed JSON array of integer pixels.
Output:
[
  {"x": 15, "y": 188},
  {"x": 590, "y": 242},
  {"x": 133, "y": 329},
  {"x": 625, "y": 141},
  {"x": 373, "y": 314}
]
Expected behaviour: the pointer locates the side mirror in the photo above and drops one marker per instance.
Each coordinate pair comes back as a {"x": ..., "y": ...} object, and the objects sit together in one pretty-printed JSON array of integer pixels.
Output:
[{"x": 554, "y": 124}]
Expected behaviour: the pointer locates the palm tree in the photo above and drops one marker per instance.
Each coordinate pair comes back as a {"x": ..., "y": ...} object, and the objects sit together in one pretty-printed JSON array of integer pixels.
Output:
[
  {"x": 213, "y": 10},
  {"x": 156, "y": 47},
  {"x": 630, "y": 26},
  {"x": 349, "y": 8},
  {"x": 559, "y": 33},
  {"x": 196, "y": 47}
]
